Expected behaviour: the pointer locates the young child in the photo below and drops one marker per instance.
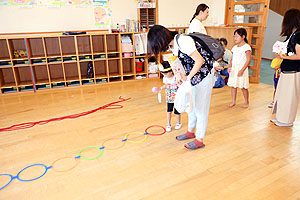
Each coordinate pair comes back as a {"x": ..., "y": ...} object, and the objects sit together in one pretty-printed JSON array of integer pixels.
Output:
[
  {"x": 238, "y": 67},
  {"x": 226, "y": 60},
  {"x": 171, "y": 87},
  {"x": 222, "y": 64}
]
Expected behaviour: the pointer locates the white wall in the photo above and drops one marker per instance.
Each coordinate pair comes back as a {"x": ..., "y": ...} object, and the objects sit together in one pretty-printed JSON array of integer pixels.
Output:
[
  {"x": 174, "y": 13},
  {"x": 14, "y": 19},
  {"x": 272, "y": 34}
]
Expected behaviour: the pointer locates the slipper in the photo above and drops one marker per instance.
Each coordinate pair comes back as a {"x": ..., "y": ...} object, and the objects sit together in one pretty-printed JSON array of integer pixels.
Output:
[
  {"x": 187, "y": 135},
  {"x": 196, "y": 144}
]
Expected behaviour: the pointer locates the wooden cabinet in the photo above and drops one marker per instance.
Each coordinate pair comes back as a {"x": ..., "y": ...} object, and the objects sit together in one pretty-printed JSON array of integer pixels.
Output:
[{"x": 40, "y": 62}]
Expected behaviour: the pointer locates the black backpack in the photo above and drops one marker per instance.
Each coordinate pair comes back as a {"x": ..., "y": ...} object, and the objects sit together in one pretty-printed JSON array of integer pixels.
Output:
[{"x": 210, "y": 44}]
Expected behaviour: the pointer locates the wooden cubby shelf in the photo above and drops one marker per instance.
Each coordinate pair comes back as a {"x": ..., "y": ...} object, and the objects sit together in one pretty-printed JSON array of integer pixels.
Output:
[{"x": 63, "y": 60}]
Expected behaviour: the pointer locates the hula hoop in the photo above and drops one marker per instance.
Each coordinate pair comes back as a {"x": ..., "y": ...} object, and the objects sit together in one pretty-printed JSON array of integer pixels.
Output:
[
  {"x": 84, "y": 158},
  {"x": 112, "y": 148},
  {"x": 156, "y": 134},
  {"x": 145, "y": 137},
  {"x": 11, "y": 178},
  {"x": 72, "y": 167},
  {"x": 46, "y": 169}
]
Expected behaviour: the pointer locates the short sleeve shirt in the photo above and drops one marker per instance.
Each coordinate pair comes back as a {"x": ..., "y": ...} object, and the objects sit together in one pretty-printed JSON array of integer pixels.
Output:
[
  {"x": 196, "y": 27},
  {"x": 239, "y": 54},
  {"x": 292, "y": 65}
]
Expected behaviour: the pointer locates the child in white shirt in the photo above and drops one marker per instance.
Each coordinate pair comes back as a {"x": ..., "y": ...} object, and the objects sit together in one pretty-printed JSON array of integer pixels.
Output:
[{"x": 238, "y": 68}]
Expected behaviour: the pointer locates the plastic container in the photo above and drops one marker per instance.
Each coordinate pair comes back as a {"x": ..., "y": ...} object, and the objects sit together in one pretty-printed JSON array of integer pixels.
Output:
[{"x": 139, "y": 66}]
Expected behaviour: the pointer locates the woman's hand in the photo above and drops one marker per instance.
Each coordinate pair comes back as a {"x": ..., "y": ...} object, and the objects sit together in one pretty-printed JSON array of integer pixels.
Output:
[
  {"x": 281, "y": 56},
  {"x": 241, "y": 72}
]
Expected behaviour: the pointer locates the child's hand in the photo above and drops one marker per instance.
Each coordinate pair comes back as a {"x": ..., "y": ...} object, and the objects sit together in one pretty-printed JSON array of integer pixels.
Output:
[{"x": 241, "y": 72}]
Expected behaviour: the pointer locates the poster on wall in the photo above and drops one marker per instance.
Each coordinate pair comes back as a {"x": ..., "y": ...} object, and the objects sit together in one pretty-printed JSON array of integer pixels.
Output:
[
  {"x": 102, "y": 13},
  {"x": 52, "y": 3},
  {"x": 22, "y": 2},
  {"x": 4, "y": 2},
  {"x": 79, "y": 2}
]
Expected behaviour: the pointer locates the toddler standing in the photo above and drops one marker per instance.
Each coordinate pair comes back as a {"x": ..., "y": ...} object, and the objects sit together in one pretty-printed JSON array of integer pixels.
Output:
[
  {"x": 171, "y": 87},
  {"x": 241, "y": 58}
]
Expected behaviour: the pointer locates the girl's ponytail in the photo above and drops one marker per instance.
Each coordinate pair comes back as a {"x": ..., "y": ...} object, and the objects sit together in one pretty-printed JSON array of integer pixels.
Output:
[{"x": 201, "y": 7}]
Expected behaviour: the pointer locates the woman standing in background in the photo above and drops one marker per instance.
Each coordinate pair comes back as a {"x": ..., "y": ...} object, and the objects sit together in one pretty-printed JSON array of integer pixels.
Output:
[
  {"x": 287, "y": 95},
  {"x": 200, "y": 15}
]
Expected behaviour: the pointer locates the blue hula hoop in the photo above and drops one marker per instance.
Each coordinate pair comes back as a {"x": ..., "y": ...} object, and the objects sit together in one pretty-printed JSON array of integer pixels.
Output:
[
  {"x": 46, "y": 169},
  {"x": 11, "y": 178}
]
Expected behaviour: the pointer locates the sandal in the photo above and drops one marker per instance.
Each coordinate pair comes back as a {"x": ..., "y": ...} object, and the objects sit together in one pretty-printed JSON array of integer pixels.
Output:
[
  {"x": 196, "y": 144},
  {"x": 187, "y": 135}
]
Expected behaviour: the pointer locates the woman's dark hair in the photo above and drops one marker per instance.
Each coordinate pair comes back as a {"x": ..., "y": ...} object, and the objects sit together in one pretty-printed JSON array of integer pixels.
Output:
[
  {"x": 166, "y": 65},
  {"x": 159, "y": 39},
  {"x": 224, "y": 41},
  {"x": 290, "y": 21},
  {"x": 242, "y": 32},
  {"x": 201, "y": 7}
]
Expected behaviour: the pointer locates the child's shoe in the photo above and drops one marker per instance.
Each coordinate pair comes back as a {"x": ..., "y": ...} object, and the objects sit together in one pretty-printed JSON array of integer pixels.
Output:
[
  {"x": 271, "y": 104},
  {"x": 178, "y": 125},
  {"x": 168, "y": 128}
]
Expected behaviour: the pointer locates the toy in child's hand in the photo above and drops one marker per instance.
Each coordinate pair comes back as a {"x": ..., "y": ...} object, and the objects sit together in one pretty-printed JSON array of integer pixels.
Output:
[
  {"x": 159, "y": 97},
  {"x": 155, "y": 89}
]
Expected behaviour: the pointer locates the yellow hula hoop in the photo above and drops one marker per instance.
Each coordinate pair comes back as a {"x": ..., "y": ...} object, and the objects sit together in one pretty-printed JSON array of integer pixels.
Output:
[{"x": 145, "y": 137}]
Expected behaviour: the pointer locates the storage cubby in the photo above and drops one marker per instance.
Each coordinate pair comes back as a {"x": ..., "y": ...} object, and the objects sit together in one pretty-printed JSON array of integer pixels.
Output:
[
  {"x": 114, "y": 78},
  {"x": 59, "y": 61},
  {"x": 5, "y": 63},
  {"x": 98, "y": 43},
  {"x": 18, "y": 48},
  {"x": 67, "y": 45},
  {"x": 52, "y": 46},
  {"x": 83, "y": 44},
  {"x": 40, "y": 74},
  {"x": 71, "y": 71},
  {"x": 140, "y": 65},
  {"x": 85, "y": 57},
  {"x": 113, "y": 55},
  {"x": 23, "y": 76},
  {"x": 84, "y": 69},
  {"x": 100, "y": 69},
  {"x": 128, "y": 65},
  {"x": 128, "y": 77},
  {"x": 18, "y": 62},
  {"x": 7, "y": 77},
  {"x": 38, "y": 61},
  {"x": 4, "y": 52},
  {"x": 69, "y": 59},
  {"x": 114, "y": 67},
  {"x": 112, "y": 42},
  {"x": 36, "y": 47},
  {"x": 56, "y": 72},
  {"x": 99, "y": 56},
  {"x": 55, "y": 60}
]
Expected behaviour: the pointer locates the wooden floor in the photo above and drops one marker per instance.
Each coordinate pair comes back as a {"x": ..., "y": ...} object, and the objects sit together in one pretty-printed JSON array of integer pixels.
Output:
[{"x": 246, "y": 156}]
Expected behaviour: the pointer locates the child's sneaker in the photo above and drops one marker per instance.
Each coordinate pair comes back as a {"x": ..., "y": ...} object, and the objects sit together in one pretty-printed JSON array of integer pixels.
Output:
[
  {"x": 178, "y": 125},
  {"x": 271, "y": 104},
  {"x": 168, "y": 128}
]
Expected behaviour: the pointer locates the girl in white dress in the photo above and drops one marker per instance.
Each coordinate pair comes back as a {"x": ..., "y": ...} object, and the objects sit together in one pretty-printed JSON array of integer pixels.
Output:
[
  {"x": 200, "y": 15},
  {"x": 241, "y": 58}
]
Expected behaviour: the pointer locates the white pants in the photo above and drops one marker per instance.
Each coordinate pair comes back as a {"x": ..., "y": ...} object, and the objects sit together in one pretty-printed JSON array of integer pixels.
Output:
[{"x": 201, "y": 101}]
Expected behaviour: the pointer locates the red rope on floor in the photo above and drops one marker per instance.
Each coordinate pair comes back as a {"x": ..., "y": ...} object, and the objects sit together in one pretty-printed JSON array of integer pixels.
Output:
[{"x": 112, "y": 105}]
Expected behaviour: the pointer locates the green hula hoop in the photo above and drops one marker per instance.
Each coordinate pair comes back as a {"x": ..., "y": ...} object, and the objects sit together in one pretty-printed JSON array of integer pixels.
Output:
[
  {"x": 145, "y": 137},
  {"x": 84, "y": 158}
]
